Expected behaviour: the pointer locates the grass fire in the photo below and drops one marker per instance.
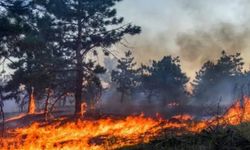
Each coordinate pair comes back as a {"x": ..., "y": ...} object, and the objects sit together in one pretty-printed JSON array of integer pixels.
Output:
[
  {"x": 124, "y": 75},
  {"x": 112, "y": 133}
]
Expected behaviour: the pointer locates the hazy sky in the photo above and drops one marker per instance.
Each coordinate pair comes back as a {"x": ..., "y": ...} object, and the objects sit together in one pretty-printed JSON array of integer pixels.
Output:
[{"x": 195, "y": 30}]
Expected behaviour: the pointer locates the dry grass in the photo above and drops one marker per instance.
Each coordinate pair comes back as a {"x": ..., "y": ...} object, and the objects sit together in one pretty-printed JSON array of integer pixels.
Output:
[{"x": 229, "y": 138}]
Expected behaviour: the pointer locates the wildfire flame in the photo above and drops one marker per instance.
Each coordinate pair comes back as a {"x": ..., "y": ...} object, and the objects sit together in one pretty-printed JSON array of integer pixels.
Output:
[
  {"x": 32, "y": 105},
  {"x": 238, "y": 113},
  {"x": 111, "y": 133}
]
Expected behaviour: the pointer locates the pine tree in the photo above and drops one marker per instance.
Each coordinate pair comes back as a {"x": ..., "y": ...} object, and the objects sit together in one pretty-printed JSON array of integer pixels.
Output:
[
  {"x": 213, "y": 76},
  {"x": 166, "y": 79},
  {"x": 87, "y": 26},
  {"x": 125, "y": 76}
]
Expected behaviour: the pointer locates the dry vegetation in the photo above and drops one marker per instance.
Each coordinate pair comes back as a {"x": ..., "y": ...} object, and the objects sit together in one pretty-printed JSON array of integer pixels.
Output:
[{"x": 223, "y": 138}]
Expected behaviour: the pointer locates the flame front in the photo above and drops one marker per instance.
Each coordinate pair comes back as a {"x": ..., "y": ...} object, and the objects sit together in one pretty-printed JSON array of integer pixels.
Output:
[
  {"x": 239, "y": 112},
  {"x": 110, "y": 133},
  {"x": 83, "y": 134}
]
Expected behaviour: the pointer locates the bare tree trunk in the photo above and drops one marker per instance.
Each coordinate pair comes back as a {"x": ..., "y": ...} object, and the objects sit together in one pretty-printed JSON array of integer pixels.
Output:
[
  {"x": 32, "y": 105},
  {"x": 79, "y": 69}
]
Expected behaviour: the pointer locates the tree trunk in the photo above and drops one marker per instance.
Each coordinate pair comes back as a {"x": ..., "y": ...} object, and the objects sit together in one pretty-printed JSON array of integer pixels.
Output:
[
  {"x": 32, "y": 105},
  {"x": 79, "y": 69},
  {"x": 78, "y": 93}
]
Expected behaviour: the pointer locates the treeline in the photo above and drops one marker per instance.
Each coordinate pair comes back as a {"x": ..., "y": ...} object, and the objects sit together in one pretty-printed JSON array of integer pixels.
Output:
[
  {"x": 48, "y": 44},
  {"x": 216, "y": 82},
  {"x": 163, "y": 80}
]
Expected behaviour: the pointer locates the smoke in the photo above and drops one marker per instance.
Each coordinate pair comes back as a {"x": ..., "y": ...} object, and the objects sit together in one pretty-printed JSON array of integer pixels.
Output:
[
  {"x": 201, "y": 45},
  {"x": 196, "y": 31},
  {"x": 136, "y": 105}
]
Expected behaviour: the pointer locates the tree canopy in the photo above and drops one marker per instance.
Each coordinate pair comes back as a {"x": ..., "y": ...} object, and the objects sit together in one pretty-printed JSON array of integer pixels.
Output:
[
  {"x": 166, "y": 79},
  {"x": 217, "y": 79},
  {"x": 126, "y": 75}
]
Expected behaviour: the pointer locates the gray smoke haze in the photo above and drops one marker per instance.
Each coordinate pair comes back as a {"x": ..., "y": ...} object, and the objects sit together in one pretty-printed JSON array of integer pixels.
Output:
[
  {"x": 199, "y": 46},
  {"x": 195, "y": 30}
]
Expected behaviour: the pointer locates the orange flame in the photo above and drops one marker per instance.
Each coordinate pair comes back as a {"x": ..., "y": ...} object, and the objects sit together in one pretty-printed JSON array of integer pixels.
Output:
[
  {"x": 238, "y": 113},
  {"x": 184, "y": 117},
  {"x": 32, "y": 105},
  {"x": 110, "y": 133}
]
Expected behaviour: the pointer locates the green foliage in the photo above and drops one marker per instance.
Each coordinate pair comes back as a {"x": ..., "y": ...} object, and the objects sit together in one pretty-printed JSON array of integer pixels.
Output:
[
  {"x": 210, "y": 78},
  {"x": 11, "y": 25},
  {"x": 125, "y": 76},
  {"x": 30, "y": 48},
  {"x": 166, "y": 79},
  {"x": 88, "y": 23},
  {"x": 86, "y": 26}
]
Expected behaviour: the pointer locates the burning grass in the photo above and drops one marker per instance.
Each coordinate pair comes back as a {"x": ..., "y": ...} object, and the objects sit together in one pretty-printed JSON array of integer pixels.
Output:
[
  {"x": 115, "y": 133},
  {"x": 104, "y": 133}
]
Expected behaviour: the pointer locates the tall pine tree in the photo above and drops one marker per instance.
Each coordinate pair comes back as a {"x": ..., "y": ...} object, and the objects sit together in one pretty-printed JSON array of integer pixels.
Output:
[
  {"x": 166, "y": 79},
  {"x": 217, "y": 79},
  {"x": 125, "y": 76},
  {"x": 87, "y": 25}
]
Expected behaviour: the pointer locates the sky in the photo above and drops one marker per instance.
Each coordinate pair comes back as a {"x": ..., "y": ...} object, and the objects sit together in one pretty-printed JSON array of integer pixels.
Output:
[{"x": 195, "y": 30}]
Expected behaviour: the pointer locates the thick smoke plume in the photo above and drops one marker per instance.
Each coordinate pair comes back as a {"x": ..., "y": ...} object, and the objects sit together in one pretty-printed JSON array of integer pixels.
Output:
[{"x": 196, "y": 31}]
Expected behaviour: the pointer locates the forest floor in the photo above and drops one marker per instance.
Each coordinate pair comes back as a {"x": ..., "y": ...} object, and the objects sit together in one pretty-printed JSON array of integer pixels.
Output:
[{"x": 216, "y": 138}]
